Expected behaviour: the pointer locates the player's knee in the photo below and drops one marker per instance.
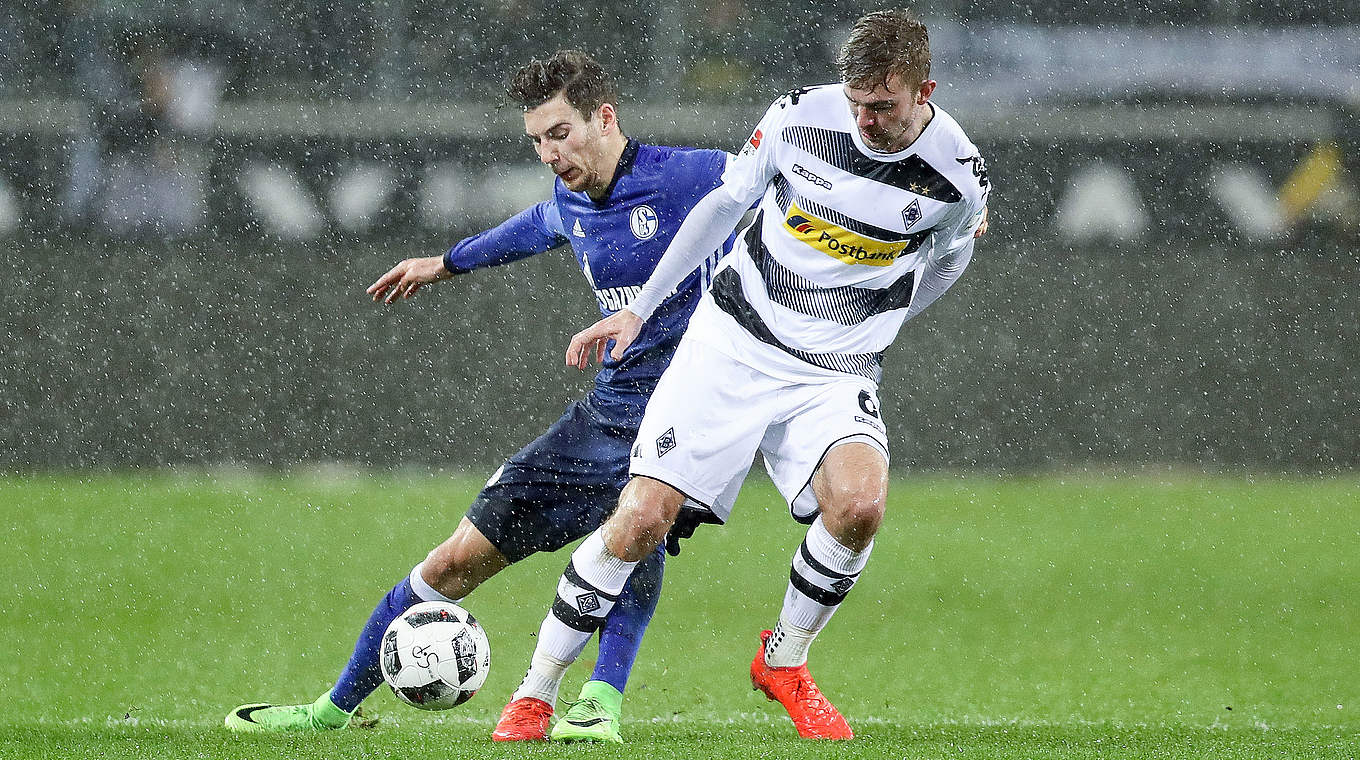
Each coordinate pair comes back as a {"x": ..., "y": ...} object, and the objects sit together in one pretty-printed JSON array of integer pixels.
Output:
[
  {"x": 861, "y": 509},
  {"x": 462, "y": 562},
  {"x": 646, "y": 511},
  {"x": 853, "y": 515}
]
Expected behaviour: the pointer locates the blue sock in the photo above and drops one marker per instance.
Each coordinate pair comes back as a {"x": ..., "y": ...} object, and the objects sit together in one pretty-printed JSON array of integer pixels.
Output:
[
  {"x": 362, "y": 674},
  {"x": 622, "y": 632}
]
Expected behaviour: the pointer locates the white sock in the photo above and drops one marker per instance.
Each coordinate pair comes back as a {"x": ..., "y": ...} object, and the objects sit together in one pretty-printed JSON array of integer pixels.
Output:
[
  {"x": 543, "y": 679},
  {"x": 586, "y": 593},
  {"x": 788, "y": 645},
  {"x": 823, "y": 573},
  {"x": 425, "y": 591}
]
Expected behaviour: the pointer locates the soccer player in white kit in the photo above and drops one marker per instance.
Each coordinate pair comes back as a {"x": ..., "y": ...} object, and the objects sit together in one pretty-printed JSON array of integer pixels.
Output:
[{"x": 870, "y": 197}]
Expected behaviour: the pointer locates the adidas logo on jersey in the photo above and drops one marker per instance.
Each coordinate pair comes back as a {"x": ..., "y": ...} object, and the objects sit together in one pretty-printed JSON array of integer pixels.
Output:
[
  {"x": 839, "y": 243},
  {"x": 577, "y": 231}
]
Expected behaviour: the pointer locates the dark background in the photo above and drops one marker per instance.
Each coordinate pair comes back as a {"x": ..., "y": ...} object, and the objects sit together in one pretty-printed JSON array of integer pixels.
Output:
[
  {"x": 220, "y": 340},
  {"x": 1041, "y": 357}
]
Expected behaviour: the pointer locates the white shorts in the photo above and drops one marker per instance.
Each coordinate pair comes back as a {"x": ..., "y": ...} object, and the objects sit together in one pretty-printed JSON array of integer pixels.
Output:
[{"x": 711, "y": 413}]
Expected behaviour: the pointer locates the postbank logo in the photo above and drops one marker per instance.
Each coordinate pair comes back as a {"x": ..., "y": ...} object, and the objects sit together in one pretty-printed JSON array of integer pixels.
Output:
[{"x": 839, "y": 243}]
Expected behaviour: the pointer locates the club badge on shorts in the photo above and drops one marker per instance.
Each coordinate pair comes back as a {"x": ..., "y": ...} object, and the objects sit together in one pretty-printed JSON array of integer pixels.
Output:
[{"x": 665, "y": 443}]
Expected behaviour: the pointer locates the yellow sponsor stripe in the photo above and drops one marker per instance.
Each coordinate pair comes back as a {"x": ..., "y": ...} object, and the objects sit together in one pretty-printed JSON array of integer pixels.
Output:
[{"x": 839, "y": 243}]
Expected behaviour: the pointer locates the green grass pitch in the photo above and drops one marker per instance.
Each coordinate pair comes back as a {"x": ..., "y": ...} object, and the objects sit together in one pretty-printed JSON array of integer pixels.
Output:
[{"x": 1083, "y": 616}]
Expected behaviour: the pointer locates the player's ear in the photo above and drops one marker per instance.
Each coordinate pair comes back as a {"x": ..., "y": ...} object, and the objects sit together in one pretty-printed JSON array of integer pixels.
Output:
[
  {"x": 609, "y": 118},
  {"x": 926, "y": 90}
]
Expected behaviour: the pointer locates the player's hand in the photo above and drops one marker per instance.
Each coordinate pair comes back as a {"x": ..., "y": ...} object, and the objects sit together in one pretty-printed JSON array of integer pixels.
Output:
[
  {"x": 404, "y": 279},
  {"x": 623, "y": 326},
  {"x": 982, "y": 228}
]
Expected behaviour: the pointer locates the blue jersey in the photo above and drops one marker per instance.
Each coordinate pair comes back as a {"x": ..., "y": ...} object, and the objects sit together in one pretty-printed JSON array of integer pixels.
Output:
[{"x": 617, "y": 242}]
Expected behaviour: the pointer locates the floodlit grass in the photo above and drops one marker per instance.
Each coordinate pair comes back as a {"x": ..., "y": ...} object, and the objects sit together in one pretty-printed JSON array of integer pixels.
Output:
[{"x": 1062, "y": 616}]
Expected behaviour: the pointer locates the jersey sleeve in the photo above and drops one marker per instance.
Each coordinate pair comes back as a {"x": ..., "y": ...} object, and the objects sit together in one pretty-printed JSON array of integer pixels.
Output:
[
  {"x": 531, "y": 231},
  {"x": 750, "y": 171},
  {"x": 951, "y": 249}
]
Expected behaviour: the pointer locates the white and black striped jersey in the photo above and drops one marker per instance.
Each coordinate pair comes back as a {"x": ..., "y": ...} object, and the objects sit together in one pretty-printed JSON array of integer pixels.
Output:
[{"x": 848, "y": 243}]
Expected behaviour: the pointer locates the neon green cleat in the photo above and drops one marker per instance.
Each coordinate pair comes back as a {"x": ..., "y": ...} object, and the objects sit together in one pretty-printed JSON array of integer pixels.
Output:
[
  {"x": 321, "y": 715},
  {"x": 594, "y": 717}
]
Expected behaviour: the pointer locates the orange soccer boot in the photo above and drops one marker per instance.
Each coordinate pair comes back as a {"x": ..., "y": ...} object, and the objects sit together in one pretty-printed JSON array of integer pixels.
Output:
[
  {"x": 524, "y": 720},
  {"x": 813, "y": 714}
]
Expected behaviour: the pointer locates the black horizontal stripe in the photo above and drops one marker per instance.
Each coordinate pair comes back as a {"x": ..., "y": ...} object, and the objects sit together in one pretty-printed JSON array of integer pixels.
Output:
[
  {"x": 815, "y": 593},
  {"x": 727, "y": 295},
  {"x": 912, "y": 173},
  {"x": 575, "y": 579},
  {"x": 846, "y": 304},
  {"x": 786, "y": 198},
  {"x": 819, "y": 567},
  {"x": 573, "y": 619}
]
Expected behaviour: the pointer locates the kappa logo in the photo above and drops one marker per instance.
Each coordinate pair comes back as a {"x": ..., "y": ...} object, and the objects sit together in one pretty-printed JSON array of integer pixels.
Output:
[
  {"x": 810, "y": 177},
  {"x": 587, "y": 603},
  {"x": 792, "y": 96},
  {"x": 912, "y": 213},
  {"x": 665, "y": 443},
  {"x": 871, "y": 422},
  {"x": 644, "y": 222},
  {"x": 577, "y": 231}
]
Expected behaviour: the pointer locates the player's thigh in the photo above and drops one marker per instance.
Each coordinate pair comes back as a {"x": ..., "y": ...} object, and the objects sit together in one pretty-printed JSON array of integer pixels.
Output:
[
  {"x": 555, "y": 490},
  {"x": 703, "y": 426},
  {"x": 829, "y": 416}
]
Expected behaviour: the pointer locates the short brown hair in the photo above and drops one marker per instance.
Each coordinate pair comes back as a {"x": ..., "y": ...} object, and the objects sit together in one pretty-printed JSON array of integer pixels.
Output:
[
  {"x": 581, "y": 79},
  {"x": 884, "y": 43}
]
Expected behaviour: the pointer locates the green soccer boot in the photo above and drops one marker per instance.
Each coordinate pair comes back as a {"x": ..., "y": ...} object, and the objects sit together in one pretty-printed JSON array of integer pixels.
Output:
[
  {"x": 321, "y": 715},
  {"x": 594, "y": 717}
]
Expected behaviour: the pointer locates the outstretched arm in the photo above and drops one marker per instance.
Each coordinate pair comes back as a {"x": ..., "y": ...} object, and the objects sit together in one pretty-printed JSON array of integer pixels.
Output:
[
  {"x": 705, "y": 228},
  {"x": 532, "y": 231},
  {"x": 408, "y": 276}
]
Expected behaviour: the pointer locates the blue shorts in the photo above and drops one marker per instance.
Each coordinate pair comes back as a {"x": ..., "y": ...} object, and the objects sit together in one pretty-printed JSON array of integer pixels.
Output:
[{"x": 561, "y": 486}]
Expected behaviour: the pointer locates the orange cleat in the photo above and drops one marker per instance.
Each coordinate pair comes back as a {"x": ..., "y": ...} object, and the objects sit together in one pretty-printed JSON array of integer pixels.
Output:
[
  {"x": 524, "y": 720},
  {"x": 813, "y": 714}
]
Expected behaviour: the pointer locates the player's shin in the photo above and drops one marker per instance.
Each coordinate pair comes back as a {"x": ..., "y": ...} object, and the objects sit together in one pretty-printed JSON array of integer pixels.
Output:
[
  {"x": 822, "y": 575},
  {"x": 362, "y": 673},
  {"x": 586, "y": 593},
  {"x": 621, "y": 636}
]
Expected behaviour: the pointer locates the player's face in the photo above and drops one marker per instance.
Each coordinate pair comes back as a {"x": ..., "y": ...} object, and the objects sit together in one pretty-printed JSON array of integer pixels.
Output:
[
  {"x": 570, "y": 144},
  {"x": 890, "y": 115}
]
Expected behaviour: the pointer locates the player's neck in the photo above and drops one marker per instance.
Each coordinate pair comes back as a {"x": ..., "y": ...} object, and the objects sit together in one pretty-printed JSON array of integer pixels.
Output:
[
  {"x": 615, "y": 145},
  {"x": 920, "y": 120}
]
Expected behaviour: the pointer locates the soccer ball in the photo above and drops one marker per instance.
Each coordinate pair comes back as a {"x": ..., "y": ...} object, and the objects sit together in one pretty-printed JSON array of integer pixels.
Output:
[{"x": 435, "y": 656}]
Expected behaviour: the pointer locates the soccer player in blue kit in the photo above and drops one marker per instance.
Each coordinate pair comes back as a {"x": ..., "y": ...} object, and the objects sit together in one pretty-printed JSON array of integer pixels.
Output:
[{"x": 618, "y": 203}]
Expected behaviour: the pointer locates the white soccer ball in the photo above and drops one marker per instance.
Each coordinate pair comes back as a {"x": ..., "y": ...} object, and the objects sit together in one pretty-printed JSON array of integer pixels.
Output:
[{"x": 435, "y": 656}]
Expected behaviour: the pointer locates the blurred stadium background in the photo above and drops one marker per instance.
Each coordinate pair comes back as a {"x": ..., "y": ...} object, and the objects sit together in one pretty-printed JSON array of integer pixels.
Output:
[{"x": 194, "y": 194}]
